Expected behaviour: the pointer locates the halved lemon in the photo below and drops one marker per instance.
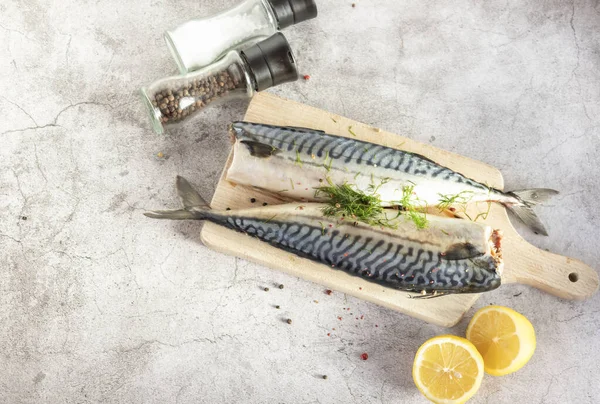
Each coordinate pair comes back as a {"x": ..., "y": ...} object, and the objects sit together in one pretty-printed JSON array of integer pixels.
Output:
[
  {"x": 504, "y": 337},
  {"x": 448, "y": 369}
]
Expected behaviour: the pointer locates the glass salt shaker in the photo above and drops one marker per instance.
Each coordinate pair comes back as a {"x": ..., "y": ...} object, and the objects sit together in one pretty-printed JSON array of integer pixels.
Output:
[
  {"x": 178, "y": 99},
  {"x": 199, "y": 42}
]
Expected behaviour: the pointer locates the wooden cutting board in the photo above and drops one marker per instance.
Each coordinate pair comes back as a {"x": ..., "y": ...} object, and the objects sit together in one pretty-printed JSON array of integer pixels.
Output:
[{"x": 524, "y": 263}]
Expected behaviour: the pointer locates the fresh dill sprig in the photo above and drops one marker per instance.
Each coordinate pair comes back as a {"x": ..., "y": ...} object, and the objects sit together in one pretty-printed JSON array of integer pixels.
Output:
[
  {"x": 462, "y": 198},
  {"x": 351, "y": 131},
  {"x": 327, "y": 166},
  {"x": 344, "y": 201},
  {"x": 271, "y": 218},
  {"x": 333, "y": 119},
  {"x": 292, "y": 183},
  {"x": 298, "y": 159},
  {"x": 483, "y": 215},
  {"x": 413, "y": 207}
]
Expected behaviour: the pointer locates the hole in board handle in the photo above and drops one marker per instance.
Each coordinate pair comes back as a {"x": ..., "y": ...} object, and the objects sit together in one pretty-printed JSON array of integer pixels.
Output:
[{"x": 573, "y": 277}]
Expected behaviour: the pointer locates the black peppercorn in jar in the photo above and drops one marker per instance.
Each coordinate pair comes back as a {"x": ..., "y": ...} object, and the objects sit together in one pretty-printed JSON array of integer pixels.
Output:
[{"x": 174, "y": 100}]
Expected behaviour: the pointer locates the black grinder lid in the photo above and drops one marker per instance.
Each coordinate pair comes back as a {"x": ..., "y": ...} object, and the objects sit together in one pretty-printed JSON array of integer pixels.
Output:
[
  {"x": 290, "y": 12},
  {"x": 271, "y": 62}
]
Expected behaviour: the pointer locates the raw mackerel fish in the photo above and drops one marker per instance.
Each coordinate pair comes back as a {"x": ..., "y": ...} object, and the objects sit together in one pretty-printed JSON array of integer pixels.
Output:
[
  {"x": 449, "y": 256},
  {"x": 295, "y": 161}
]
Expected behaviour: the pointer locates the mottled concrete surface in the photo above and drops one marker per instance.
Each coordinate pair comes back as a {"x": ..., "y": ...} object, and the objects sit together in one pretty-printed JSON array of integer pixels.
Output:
[{"x": 100, "y": 304}]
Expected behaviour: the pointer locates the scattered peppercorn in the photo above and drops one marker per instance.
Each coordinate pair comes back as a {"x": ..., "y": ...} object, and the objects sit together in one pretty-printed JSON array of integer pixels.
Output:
[
  {"x": 252, "y": 200},
  {"x": 281, "y": 286},
  {"x": 289, "y": 321},
  {"x": 364, "y": 356},
  {"x": 265, "y": 204},
  {"x": 277, "y": 307},
  {"x": 328, "y": 291},
  {"x": 325, "y": 377},
  {"x": 227, "y": 208},
  {"x": 353, "y": 5},
  {"x": 266, "y": 289},
  {"x": 23, "y": 217}
]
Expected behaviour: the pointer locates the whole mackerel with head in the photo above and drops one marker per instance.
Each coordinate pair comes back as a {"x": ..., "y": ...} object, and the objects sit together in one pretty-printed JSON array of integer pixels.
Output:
[
  {"x": 295, "y": 161},
  {"x": 449, "y": 256}
]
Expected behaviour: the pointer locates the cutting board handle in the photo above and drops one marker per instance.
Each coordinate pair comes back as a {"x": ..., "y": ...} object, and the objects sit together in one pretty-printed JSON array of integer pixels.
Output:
[{"x": 558, "y": 275}]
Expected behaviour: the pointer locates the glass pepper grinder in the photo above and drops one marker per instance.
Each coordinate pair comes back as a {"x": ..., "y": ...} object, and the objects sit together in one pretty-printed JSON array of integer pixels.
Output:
[
  {"x": 174, "y": 100},
  {"x": 199, "y": 42}
]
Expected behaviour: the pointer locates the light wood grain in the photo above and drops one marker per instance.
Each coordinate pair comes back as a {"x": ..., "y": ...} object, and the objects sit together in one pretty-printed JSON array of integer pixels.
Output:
[{"x": 524, "y": 263}]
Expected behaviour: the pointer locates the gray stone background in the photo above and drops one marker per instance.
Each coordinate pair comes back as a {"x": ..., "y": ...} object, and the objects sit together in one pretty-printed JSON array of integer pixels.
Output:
[{"x": 100, "y": 304}]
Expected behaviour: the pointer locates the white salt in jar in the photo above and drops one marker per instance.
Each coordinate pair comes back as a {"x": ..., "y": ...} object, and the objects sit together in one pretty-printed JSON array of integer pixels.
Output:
[{"x": 199, "y": 42}]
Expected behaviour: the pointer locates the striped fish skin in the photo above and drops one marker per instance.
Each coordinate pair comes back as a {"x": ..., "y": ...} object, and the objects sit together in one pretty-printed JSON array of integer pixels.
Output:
[
  {"x": 450, "y": 256},
  {"x": 293, "y": 162},
  {"x": 393, "y": 262},
  {"x": 307, "y": 156}
]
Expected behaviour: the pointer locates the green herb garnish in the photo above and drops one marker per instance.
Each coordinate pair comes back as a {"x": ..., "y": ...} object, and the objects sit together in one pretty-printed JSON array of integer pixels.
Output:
[
  {"x": 344, "y": 201},
  {"x": 414, "y": 208},
  {"x": 327, "y": 166},
  {"x": 292, "y": 183},
  {"x": 351, "y": 131},
  {"x": 483, "y": 215},
  {"x": 462, "y": 198},
  {"x": 298, "y": 160},
  {"x": 333, "y": 120},
  {"x": 269, "y": 219}
]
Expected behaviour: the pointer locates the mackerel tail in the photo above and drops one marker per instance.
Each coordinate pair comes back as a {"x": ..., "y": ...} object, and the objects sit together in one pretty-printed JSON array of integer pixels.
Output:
[
  {"x": 293, "y": 162},
  {"x": 449, "y": 256},
  {"x": 522, "y": 208}
]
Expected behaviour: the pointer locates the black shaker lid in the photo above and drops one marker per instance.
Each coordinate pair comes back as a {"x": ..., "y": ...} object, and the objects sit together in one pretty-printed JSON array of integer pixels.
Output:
[
  {"x": 290, "y": 12},
  {"x": 271, "y": 62}
]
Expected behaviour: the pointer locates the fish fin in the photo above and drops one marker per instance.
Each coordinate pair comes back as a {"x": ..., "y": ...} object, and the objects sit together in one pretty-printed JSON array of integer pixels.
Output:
[
  {"x": 302, "y": 128},
  {"x": 194, "y": 207},
  {"x": 190, "y": 198},
  {"x": 460, "y": 251},
  {"x": 523, "y": 210},
  {"x": 238, "y": 126},
  {"x": 428, "y": 295},
  {"x": 260, "y": 150},
  {"x": 177, "y": 214},
  {"x": 526, "y": 214},
  {"x": 534, "y": 196}
]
